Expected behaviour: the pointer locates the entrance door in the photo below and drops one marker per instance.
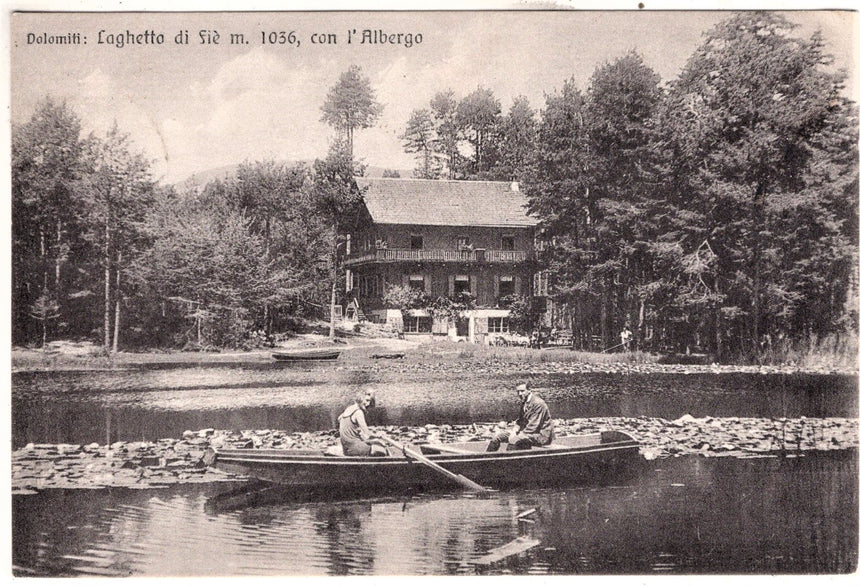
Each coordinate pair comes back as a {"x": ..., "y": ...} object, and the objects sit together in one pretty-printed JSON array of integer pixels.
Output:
[{"x": 463, "y": 328}]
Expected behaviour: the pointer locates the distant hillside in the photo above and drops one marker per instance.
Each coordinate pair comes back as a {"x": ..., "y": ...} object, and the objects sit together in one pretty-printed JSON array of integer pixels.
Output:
[
  {"x": 204, "y": 177},
  {"x": 201, "y": 178}
]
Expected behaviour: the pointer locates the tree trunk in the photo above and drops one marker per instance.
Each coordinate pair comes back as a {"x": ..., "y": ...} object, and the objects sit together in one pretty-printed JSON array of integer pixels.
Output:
[
  {"x": 604, "y": 326},
  {"x": 59, "y": 259},
  {"x": 718, "y": 323},
  {"x": 44, "y": 253},
  {"x": 333, "y": 277},
  {"x": 117, "y": 302},
  {"x": 106, "y": 261},
  {"x": 756, "y": 267}
]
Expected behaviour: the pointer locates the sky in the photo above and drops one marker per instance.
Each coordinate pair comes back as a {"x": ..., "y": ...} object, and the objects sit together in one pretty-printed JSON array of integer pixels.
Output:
[{"x": 194, "y": 107}]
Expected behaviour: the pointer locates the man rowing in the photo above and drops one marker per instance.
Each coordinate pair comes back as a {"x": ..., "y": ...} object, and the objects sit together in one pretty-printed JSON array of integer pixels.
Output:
[{"x": 534, "y": 424}]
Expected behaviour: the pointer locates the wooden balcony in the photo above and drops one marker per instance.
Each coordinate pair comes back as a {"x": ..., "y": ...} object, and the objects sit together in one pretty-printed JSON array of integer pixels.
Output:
[{"x": 393, "y": 255}]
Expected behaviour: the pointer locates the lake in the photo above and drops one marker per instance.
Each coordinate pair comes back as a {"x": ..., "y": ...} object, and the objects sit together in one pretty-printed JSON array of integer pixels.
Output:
[
  {"x": 686, "y": 515},
  {"x": 150, "y": 404},
  {"x": 679, "y": 516}
]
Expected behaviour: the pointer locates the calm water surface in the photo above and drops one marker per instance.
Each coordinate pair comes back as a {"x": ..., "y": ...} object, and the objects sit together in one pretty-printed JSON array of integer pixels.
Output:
[
  {"x": 134, "y": 405},
  {"x": 681, "y": 515}
]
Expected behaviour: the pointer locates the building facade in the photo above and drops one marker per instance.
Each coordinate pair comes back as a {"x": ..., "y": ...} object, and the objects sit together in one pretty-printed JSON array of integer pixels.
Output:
[{"x": 442, "y": 238}]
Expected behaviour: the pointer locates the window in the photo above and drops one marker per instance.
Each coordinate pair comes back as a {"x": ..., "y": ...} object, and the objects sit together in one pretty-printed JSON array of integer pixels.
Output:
[
  {"x": 464, "y": 243},
  {"x": 417, "y": 324},
  {"x": 416, "y": 282},
  {"x": 461, "y": 284},
  {"x": 497, "y": 325},
  {"x": 416, "y": 242},
  {"x": 507, "y": 242},
  {"x": 506, "y": 286}
]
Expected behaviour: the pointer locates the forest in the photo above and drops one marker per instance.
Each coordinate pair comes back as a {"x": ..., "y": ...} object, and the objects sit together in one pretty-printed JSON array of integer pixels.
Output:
[{"x": 715, "y": 212}]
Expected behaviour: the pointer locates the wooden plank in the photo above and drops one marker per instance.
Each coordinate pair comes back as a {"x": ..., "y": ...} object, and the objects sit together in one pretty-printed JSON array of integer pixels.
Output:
[
  {"x": 449, "y": 449},
  {"x": 515, "y": 547}
]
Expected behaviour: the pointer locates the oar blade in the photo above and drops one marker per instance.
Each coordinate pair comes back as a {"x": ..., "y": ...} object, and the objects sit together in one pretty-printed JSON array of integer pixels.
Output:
[{"x": 471, "y": 484}]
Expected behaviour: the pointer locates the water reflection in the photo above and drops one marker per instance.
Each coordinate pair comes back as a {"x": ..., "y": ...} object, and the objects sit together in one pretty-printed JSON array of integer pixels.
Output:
[
  {"x": 682, "y": 515},
  {"x": 74, "y": 407}
]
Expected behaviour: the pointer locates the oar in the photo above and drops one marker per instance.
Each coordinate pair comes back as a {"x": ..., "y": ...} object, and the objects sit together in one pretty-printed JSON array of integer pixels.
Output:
[
  {"x": 613, "y": 348},
  {"x": 458, "y": 478}
]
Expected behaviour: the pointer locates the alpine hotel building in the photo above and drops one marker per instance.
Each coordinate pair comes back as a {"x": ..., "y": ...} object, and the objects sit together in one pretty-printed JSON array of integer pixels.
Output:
[{"x": 442, "y": 238}]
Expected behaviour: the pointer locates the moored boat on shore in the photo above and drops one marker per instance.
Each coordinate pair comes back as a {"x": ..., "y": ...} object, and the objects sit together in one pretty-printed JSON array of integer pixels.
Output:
[{"x": 306, "y": 354}]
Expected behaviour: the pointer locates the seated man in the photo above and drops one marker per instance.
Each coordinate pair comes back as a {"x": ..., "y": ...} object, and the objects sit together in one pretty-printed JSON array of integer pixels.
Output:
[
  {"x": 355, "y": 437},
  {"x": 534, "y": 424}
]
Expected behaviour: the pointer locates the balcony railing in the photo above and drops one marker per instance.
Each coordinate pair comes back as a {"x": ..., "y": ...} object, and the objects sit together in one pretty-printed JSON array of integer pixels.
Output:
[{"x": 405, "y": 254}]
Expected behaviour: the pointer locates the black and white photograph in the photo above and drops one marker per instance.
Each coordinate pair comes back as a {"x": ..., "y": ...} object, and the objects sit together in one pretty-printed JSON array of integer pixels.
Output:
[{"x": 508, "y": 290}]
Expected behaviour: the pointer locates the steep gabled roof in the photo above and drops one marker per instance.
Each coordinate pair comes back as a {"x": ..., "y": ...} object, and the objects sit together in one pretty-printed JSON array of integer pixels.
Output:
[{"x": 445, "y": 203}]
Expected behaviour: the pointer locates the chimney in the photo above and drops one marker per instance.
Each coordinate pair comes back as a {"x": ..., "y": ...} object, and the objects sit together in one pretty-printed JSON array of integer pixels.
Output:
[{"x": 515, "y": 186}]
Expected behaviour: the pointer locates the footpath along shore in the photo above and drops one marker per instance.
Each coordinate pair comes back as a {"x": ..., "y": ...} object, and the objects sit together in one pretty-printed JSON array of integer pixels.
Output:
[{"x": 173, "y": 461}]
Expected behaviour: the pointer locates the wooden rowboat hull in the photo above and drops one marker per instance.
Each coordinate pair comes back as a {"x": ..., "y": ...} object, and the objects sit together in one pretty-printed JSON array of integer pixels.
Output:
[
  {"x": 306, "y": 355},
  {"x": 576, "y": 459}
]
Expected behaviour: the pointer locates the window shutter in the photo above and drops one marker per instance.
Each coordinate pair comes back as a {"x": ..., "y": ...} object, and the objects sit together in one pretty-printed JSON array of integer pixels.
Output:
[
  {"x": 428, "y": 284},
  {"x": 473, "y": 285},
  {"x": 495, "y": 286},
  {"x": 450, "y": 284},
  {"x": 517, "y": 285}
]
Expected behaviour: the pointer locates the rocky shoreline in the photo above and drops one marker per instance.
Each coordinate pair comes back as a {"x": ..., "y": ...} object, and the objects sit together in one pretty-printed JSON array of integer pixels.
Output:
[
  {"x": 364, "y": 354},
  {"x": 564, "y": 367},
  {"x": 171, "y": 461},
  {"x": 502, "y": 366}
]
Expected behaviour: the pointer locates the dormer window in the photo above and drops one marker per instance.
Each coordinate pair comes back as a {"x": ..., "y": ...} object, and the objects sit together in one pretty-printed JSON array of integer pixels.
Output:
[
  {"x": 464, "y": 243},
  {"x": 416, "y": 242},
  {"x": 507, "y": 242}
]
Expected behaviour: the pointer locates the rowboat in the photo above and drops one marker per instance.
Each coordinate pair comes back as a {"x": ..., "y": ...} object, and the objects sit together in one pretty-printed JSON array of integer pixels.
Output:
[
  {"x": 389, "y": 355},
  {"x": 306, "y": 354},
  {"x": 572, "y": 459}
]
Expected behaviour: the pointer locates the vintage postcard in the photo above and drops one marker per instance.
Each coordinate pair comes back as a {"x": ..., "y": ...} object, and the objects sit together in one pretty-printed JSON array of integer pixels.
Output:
[{"x": 433, "y": 292}]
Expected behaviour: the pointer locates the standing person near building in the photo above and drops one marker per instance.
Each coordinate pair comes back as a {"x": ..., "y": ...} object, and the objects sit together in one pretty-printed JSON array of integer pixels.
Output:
[
  {"x": 534, "y": 426},
  {"x": 355, "y": 437},
  {"x": 626, "y": 337}
]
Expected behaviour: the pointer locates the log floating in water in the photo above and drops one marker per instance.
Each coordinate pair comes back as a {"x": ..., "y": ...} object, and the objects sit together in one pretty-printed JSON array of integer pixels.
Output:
[
  {"x": 519, "y": 545},
  {"x": 523, "y": 543}
]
